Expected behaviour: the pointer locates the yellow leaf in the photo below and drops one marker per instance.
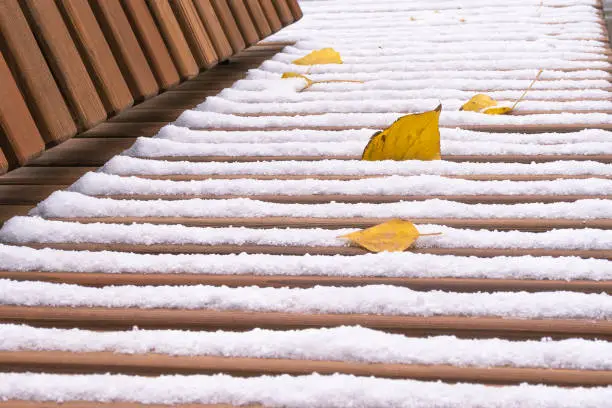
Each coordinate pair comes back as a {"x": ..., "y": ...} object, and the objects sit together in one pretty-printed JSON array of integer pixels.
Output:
[
  {"x": 411, "y": 137},
  {"x": 478, "y": 102},
  {"x": 496, "y": 110},
  {"x": 392, "y": 236},
  {"x": 296, "y": 75},
  {"x": 322, "y": 56}
]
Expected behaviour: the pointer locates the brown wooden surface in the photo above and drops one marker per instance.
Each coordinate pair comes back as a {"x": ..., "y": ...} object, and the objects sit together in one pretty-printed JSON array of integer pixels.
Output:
[
  {"x": 126, "y": 49},
  {"x": 258, "y": 17},
  {"x": 272, "y": 15},
  {"x": 3, "y": 162},
  {"x": 462, "y": 285},
  {"x": 155, "y": 364},
  {"x": 213, "y": 27},
  {"x": 243, "y": 20},
  {"x": 283, "y": 10},
  {"x": 195, "y": 33},
  {"x": 174, "y": 38},
  {"x": 65, "y": 63},
  {"x": 230, "y": 27},
  {"x": 19, "y": 136},
  {"x": 464, "y": 327},
  {"x": 33, "y": 75},
  {"x": 476, "y": 177},
  {"x": 96, "y": 55},
  {"x": 152, "y": 43},
  {"x": 294, "y": 7}
]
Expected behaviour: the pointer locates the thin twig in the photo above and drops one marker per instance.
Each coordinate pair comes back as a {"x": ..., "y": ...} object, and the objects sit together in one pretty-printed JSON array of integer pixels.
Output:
[{"x": 527, "y": 90}]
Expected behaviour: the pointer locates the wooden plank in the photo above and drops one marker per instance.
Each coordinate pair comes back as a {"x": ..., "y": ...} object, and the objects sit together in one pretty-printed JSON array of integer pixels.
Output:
[
  {"x": 33, "y": 76},
  {"x": 26, "y": 194},
  {"x": 294, "y": 7},
  {"x": 159, "y": 364},
  {"x": 152, "y": 43},
  {"x": 284, "y": 12},
  {"x": 44, "y": 175},
  {"x": 83, "y": 152},
  {"x": 174, "y": 38},
  {"x": 125, "y": 47},
  {"x": 195, "y": 33},
  {"x": 65, "y": 62},
  {"x": 130, "y": 130},
  {"x": 271, "y": 14},
  {"x": 9, "y": 211},
  {"x": 258, "y": 17},
  {"x": 504, "y": 224},
  {"x": 463, "y": 327},
  {"x": 463, "y": 285},
  {"x": 230, "y": 27},
  {"x": 19, "y": 137},
  {"x": 244, "y": 21},
  {"x": 97, "y": 55},
  {"x": 298, "y": 250},
  {"x": 213, "y": 27}
]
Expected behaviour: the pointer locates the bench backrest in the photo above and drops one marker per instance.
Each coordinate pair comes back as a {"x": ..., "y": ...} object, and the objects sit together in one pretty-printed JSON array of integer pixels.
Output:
[{"x": 67, "y": 65}]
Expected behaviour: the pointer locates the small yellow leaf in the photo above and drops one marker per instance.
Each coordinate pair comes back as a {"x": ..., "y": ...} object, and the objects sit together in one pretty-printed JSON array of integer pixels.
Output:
[
  {"x": 411, "y": 137},
  {"x": 478, "y": 102},
  {"x": 496, "y": 110},
  {"x": 296, "y": 75},
  {"x": 322, "y": 56},
  {"x": 392, "y": 236}
]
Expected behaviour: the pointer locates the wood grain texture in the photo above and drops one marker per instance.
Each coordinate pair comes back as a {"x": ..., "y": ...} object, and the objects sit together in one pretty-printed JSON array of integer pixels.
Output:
[
  {"x": 230, "y": 27},
  {"x": 294, "y": 7},
  {"x": 271, "y": 14},
  {"x": 19, "y": 136},
  {"x": 213, "y": 27},
  {"x": 35, "y": 80},
  {"x": 152, "y": 43},
  {"x": 126, "y": 49},
  {"x": 97, "y": 55},
  {"x": 258, "y": 17},
  {"x": 174, "y": 38},
  {"x": 243, "y": 20},
  {"x": 195, "y": 33},
  {"x": 284, "y": 12}
]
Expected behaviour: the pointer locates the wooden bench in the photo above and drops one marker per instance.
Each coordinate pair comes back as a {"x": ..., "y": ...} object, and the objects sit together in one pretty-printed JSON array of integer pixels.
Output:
[{"x": 68, "y": 66}]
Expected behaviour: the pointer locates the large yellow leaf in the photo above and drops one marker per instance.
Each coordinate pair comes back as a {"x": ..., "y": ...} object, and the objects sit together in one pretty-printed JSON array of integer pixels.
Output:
[
  {"x": 411, "y": 137},
  {"x": 392, "y": 236},
  {"x": 322, "y": 56}
]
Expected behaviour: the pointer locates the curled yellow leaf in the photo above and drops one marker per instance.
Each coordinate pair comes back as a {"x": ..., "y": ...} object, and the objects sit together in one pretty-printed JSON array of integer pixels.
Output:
[
  {"x": 411, "y": 137},
  {"x": 393, "y": 236},
  {"x": 296, "y": 75},
  {"x": 319, "y": 57}
]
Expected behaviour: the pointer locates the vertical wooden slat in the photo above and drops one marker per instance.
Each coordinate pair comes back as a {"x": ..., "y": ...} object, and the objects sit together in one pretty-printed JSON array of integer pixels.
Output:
[
  {"x": 33, "y": 76},
  {"x": 271, "y": 14},
  {"x": 294, "y": 7},
  {"x": 215, "y": 31},
  {"x": 195, "y": 33},
  {"x": 19, "y": 137},
  {"x": 152, "y": 43},
  {"x": 284, "y": 11},
  {"x": 3, "y": 163},
  {"x": 174, "y": 38},
  {"x": 230, "y": 27},
  {"x": 126, "y": 48},
  {"x": 65, "y": 62},
  {"x": 259, "y": 18},
  {"x": 97, "y": 55},
  {"x": 245, "y": 24}
]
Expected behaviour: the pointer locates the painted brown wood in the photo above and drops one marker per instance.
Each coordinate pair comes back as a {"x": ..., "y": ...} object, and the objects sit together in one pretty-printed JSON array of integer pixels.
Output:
[
  {"x": 244, "y": 21},
  {"x": 463, "y": 285},
  {"x": 203, "y": 319},
  {"x": 213, "y": 27},
  {"x": 97, "y": 55},
  {"x": 174, "y": 38},
  {"x": 126, "y": 49},
  {"x": 283, "y": 11},
  {"x": 294, "y": 7},
  {"x": 33, "y": 76},
  {"x": 195, "y": 33},
  {"x": 65, "y": 62},
  {"x": 258, "y": 17},
  {"x": 230, "y": 27},
  {"x": 156, "y": 364},
  {"x": 152, "y": 43},
  {"x": 271, "y": 15},
  {"x": 19, "y": 136}
]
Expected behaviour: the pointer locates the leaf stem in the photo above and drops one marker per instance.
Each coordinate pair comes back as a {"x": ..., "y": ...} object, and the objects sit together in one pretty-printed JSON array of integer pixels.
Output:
[
  {"x": 527, "y": 90},
  {"x": 430, "y": 235}
]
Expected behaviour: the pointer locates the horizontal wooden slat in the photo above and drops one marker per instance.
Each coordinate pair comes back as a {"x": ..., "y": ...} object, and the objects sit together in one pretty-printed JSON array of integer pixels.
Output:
[
  {"x": 529, "y": 224},
  {"x": 3, "y": 162},
  {"x": 83, "y": 152},
  {"x": 9, "y": 211},
  {"x": 479, "y": 177},
  {"x": 464, "y": 327},
  {"x": 44, "y": 175},
  {"x": 21, "y": 194},
  {"x": 155, "y": 364},
  {"x": 312, "y": 250},
  {"x": 98, "y": 279}
]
